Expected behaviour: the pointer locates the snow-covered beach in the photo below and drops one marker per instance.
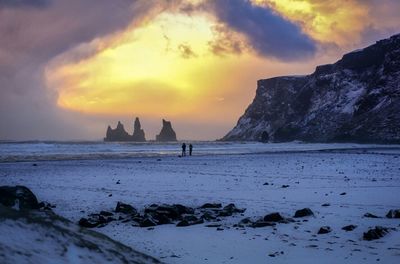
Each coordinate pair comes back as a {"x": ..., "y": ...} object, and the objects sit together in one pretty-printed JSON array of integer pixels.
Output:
[{"x": 353, "y": 179}]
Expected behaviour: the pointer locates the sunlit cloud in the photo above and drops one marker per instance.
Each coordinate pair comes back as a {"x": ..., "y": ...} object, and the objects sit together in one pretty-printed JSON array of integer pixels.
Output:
[
  {"x": 340, "y": 22},
  {"x": 165, "y": 65}
]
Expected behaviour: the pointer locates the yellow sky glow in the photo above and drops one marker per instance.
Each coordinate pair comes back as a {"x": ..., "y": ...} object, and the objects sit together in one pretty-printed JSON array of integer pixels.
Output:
[
  {"x": 165, "y": 64},
  {"x": 165, "y": 67}
]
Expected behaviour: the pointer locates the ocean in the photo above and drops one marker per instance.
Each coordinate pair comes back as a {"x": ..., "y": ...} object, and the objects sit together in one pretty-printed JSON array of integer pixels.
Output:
[{"x": 12, "y": 151}]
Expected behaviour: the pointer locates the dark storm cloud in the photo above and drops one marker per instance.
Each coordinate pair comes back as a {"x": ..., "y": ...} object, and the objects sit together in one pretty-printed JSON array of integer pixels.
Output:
[
  {"x": 268, "y": 33},
  {"x": 30, "y": 38},
  {"x": 24, "y": 3}
]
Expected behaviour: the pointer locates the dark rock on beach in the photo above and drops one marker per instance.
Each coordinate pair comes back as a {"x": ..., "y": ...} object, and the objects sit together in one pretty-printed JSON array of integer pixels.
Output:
[
  {"x": 303, "y": 213},
  {"x": 147, "y": 222},
  {"x": 349, "y": 227},
  {"x": 261, "y": 223},
  {"x": 84, "y": 222},
  {"x": 369, "y": 215},
  {"x": 189, "y": 220},
  {"x": 18, "y": 197},
  {"x": 125, "y": 208},
  {"x": 230, "y": 209},
  {"x": 324, "y": 230},
  {"x": 161, "y": 214},
  {"x": 174, "y": 212},
  {"x": 393, "y": 214},
  {"x": 96, "y": 220},
  {"x": 375, "y": 233},
  {"x": 211, "y": 205},
  {"x": 273, "y": 217}
]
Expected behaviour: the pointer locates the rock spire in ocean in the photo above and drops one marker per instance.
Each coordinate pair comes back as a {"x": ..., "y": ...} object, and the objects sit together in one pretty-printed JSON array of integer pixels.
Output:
[
  {"x": 119, "y": 133},
  {"x": 167, "y": 133}
]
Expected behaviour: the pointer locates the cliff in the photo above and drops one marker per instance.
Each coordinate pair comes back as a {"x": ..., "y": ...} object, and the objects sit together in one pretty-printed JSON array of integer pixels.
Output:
[
  {"x": 356, "y": 99},
  {"x": 166, "y": 133}
]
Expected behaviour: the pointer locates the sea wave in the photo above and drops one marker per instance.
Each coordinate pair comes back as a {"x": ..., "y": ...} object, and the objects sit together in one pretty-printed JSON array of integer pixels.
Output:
[{"x": 56, "y": 150}]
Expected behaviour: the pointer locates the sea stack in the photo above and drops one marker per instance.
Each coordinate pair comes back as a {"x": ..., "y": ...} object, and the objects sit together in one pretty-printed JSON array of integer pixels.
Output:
[
  {"x": 138, "y": 132},
  {"x": 166, "y": 133},
  {"x": 119, "y": 133}
]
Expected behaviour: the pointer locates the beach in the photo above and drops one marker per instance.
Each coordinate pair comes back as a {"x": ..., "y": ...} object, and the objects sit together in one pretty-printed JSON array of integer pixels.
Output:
[{"x": 340, "y": 183}]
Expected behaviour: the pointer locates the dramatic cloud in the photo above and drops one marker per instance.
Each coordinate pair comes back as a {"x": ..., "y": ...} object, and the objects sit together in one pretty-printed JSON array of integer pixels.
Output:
[
  {"x": 346, "y": 24},
  {"x": 21, "y": 3},
  {"x": 268, "y": 33},
  {"x": 30, "y": 37}
]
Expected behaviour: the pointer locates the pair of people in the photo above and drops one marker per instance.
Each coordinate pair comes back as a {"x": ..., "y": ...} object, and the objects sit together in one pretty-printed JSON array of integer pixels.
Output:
[{"x": 184, "y": 149}]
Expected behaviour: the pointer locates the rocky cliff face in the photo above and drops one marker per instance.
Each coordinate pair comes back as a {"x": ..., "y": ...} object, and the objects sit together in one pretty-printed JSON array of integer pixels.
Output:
[
  {"x": 119, "y": 133},
  {"x": 167, "y": 133},
  {"x": 356, "y": 99}
]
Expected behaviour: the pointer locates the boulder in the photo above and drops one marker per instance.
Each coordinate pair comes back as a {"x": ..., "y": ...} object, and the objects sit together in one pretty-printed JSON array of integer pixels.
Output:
[
  {"x": 147, "y": 222},
  {"x": 393, "y": 214},
  {"x": 125, "y": 208},
  {"x": 273, "y": 217},
  {"x": 183, "y": 209},
  {"x": 230, "y": 209},
  {"x": 208, "y": 216},
  {"x": 84, "y": 222},
  {"x": 96, "y": 220},
  {"x": 261, "y": 223},
  {"x": 105, "y": 213},
  {"x": 189, "y": 220},
  {"x": 349, "y": 227},
  {"x": 369, "y": 215},
  {"x": 375, "y": 233},
  {"x": 18, "y": 197},
  {"x": 303, "y": 212},
  {"x": 183, "y": 223},
  {"x": 159, "y": 217},
  {"x": 324, "y": 230},
  {"x": 211, "y": 205}
]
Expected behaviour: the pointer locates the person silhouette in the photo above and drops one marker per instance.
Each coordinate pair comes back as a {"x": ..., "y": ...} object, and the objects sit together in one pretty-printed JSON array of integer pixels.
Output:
[
  {"x": 190, "y": 149},
  {"x": 183, "y": 149}
]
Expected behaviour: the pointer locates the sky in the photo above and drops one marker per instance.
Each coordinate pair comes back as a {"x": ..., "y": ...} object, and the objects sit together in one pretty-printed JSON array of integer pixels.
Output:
[{"x": 70, "y": 68}]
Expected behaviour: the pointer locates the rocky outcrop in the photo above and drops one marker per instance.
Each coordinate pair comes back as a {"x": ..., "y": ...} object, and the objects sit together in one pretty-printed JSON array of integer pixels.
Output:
[
  {"x": 32, "y": 235},
  {"x": 161, "y": 214},
  {"x": 119, "y": 133},
  {"x": 138, "y": 132},
  {"x": 166, "y": 133},
  {"x": 357, "y": 99},
  {"x": 18, "y": 198}
]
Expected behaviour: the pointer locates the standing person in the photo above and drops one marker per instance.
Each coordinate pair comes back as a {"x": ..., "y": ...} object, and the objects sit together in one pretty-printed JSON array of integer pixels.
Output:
[
  {"x": 183, "y": 149},
  {"x": 190, "y": 149}
]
